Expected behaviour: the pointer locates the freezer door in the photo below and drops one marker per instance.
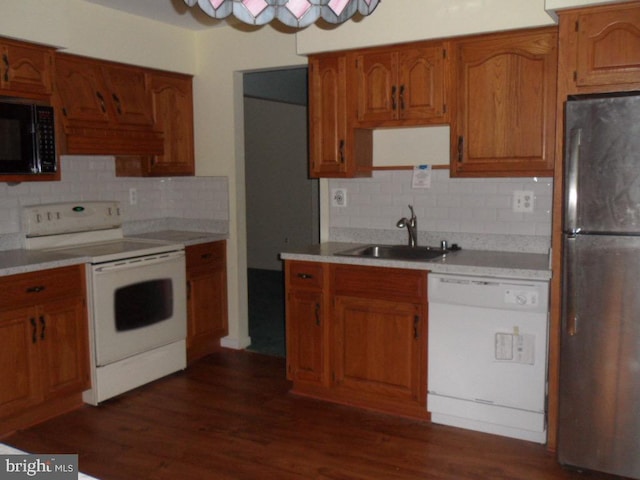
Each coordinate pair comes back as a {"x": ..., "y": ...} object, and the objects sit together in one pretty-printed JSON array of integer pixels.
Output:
[
  {"x": 602, "y": 161},
  {"x": 599, "y": 421}
]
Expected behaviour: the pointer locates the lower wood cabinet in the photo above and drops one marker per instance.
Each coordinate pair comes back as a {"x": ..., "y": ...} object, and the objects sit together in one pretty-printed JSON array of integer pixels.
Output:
[
  {"x": 306, "y": 329},
  {"x": 206, "y": 298},
  {"x": 44, "y": 347},
  {"x": 357, "y": 335}
]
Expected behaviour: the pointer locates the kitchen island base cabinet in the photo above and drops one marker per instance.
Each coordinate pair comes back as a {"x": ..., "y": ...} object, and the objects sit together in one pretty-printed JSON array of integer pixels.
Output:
[
  {"x": 358, "y": 337},
  {"x": 44, "y": 349},
  {"x": 206, "y": 298}
]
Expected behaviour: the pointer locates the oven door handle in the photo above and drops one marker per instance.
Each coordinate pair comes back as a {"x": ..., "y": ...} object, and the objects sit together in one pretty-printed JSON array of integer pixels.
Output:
[{"x": 137, "y": 262}]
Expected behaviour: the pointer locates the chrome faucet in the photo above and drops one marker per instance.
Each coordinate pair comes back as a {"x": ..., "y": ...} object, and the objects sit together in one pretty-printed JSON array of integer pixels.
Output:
[{"x": 412, "y": 227}]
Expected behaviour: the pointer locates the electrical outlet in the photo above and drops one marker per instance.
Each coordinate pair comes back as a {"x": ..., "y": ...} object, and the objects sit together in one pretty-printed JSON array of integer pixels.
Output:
[
  {"x": 523, "y": 201},
  {"x": 133, "y": 196},
  {"x": 339, "y": 197}
]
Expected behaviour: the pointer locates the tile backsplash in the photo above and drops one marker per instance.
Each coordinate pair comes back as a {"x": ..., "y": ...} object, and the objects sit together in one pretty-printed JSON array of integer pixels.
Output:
[
  {"x": 199, "y": 203},
  {"x": 476, "y": 213}
]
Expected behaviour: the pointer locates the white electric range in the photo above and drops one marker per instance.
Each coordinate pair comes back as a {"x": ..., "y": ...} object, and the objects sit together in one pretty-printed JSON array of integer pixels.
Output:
[{"x": 136, "y": 292}]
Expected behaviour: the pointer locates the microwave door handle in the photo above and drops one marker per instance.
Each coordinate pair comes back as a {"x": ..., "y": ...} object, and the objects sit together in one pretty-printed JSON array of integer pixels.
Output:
[{"x": 571, "y": 195}]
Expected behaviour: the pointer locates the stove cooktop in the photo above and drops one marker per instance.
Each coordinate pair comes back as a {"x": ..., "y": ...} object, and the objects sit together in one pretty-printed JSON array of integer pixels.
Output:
[
  {"x": 86, "y": 229},
  {"x": 119, "y": 249}
]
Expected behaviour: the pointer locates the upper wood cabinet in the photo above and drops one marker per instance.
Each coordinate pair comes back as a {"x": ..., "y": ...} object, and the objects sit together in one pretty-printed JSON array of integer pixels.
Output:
[
  {"x": 172, "y": 106},
  {"x": 601, "y": 48},
  {"x": 25, "y": 69},
  {"x": 505, "y": 94},
  {"x": 401, "y": 86},
  {"x": 105, "y": 108},
  {"x": 172, "y": 111},
  {"x": 336, "y": 149}
]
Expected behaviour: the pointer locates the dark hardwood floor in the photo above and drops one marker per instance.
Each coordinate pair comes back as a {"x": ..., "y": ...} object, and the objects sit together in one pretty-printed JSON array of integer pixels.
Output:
[{"x": 230, "y": 416}]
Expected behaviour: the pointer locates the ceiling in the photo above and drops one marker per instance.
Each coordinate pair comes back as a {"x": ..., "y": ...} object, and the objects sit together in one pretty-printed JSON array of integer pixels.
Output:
[{"x": 173, "y": 12}]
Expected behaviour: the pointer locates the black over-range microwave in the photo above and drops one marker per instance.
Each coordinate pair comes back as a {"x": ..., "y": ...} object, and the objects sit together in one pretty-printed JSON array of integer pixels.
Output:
[{"x": 27, "y": 138}]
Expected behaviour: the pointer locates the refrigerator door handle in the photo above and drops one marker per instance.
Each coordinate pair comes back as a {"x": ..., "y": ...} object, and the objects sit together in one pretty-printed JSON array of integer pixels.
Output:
[
  {"x": 570, "y": 315},
  {"x": 571, "y": 206}
]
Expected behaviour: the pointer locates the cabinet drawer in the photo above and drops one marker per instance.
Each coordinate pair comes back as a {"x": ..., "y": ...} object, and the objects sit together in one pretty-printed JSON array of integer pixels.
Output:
[
  {"x": 305, "y": 274},
  {"x": 36, "y": 287},
  {"x": 378, "y": 282},
  {"x": 205, "y": 254}
]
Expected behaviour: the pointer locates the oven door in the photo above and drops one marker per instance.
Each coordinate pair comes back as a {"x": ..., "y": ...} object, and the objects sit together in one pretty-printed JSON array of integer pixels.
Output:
[{"x": 138, "y": 304}]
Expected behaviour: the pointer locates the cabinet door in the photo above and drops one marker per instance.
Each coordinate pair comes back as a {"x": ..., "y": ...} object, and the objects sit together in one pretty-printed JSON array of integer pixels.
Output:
[
  {"x": 128, "y": 95},
  {"x": 504, "y": 123},
  {"x": 63, "y": 343},
  {"x": 328, "y": 153},
  {"x": 207, "y": 301},
  {"x": 206, "y": 298},
  {"x": 608, "y": 46},
  {"x": 26, "y": 68},
  {"x": 379, "y": 347},
  {"x": 377, "y": 86},
  {"x": 421, "y": 83},
  {"x": 81, "y": 91},
  {"x": 172, "y": 104},
  {"x": 19, "y": 366},
  {"x": 305, "y": 336}
]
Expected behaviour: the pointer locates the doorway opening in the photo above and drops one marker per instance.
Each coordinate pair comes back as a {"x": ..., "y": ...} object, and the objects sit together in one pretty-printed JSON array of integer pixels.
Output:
[{"x": 282, "y": 203}]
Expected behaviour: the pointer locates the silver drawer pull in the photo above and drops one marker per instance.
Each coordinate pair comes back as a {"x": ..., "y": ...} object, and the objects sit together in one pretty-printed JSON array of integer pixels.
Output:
[{"x": 36, "y": 289}]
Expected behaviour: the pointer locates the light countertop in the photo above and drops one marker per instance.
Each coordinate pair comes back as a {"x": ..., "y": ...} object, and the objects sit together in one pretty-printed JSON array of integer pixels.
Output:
[
  {"x": 184, "y": 237},
  {"x": 461, "y": 262},
  {"x": 23, "y": 261}
]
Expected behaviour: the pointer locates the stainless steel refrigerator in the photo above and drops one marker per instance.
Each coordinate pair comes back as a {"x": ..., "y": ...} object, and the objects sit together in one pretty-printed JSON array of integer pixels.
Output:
[{"x": 599, "y": 416}]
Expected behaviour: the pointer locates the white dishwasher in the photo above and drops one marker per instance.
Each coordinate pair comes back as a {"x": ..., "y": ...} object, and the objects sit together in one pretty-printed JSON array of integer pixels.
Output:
[{"x": 487, "y": 354}]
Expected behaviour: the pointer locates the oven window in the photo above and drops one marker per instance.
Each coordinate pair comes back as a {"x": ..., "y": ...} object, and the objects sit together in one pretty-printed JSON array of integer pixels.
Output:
[{"x": 143, "y": 304}]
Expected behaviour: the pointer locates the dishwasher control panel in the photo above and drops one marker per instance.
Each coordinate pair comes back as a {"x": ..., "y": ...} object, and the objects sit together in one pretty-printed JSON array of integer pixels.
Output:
[
  {"x": 501, "y": 293},
  {"x": 518, "y": 296}
]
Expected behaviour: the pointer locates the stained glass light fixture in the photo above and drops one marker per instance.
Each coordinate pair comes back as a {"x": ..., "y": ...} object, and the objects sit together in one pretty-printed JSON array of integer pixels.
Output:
[{"x": 294, "y": 13}]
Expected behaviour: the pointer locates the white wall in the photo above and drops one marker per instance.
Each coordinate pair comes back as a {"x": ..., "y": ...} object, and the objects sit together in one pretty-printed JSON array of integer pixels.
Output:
[
  {"x": 279, "y": 196},
  {"x": 92, "y": 30},
  {"x": 395, "y": 21},
  {"x": 223, "y": 53}
]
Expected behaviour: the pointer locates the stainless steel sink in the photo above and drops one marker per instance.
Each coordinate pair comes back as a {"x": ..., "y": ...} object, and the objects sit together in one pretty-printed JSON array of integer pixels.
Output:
[{"x": 394, "y": 252}]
